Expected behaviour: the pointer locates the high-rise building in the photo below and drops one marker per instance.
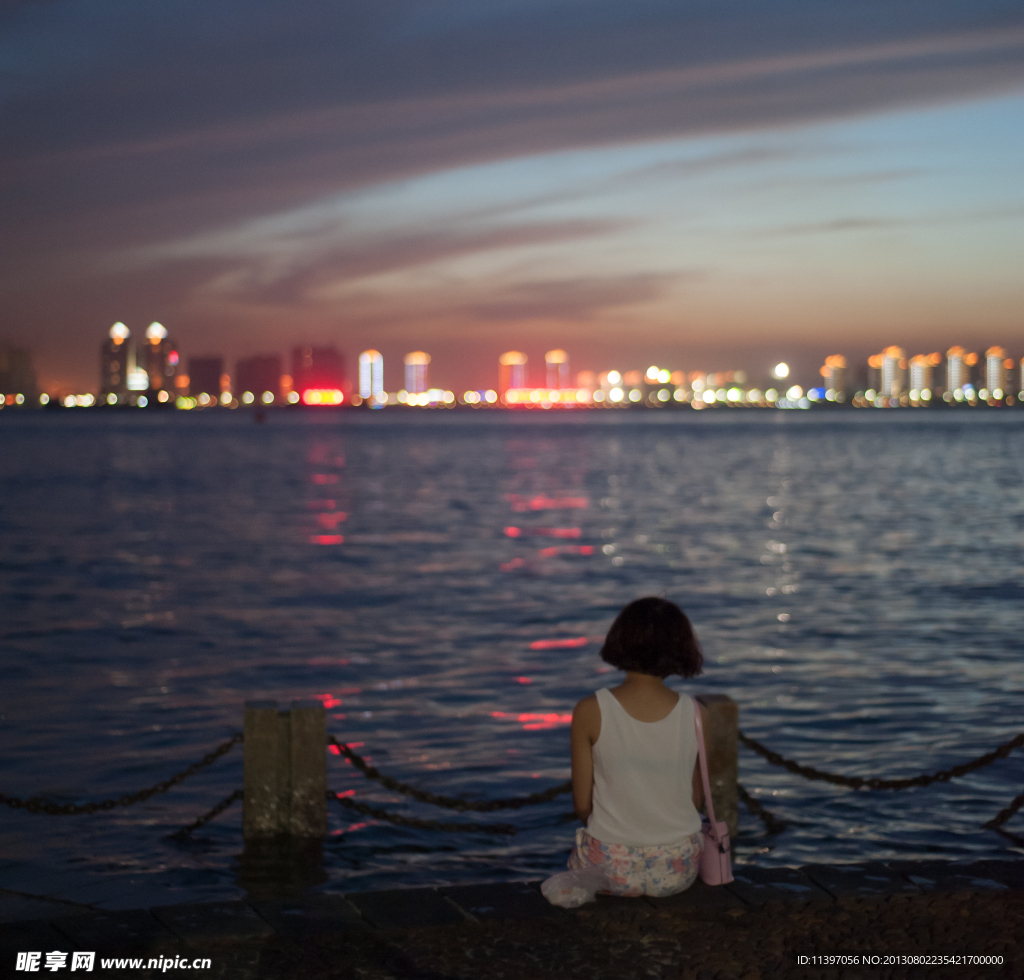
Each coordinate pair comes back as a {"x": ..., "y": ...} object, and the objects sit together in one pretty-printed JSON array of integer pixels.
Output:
[
  {"x": 17, "y": 376},
  {"x": 557, "y": 364},
  {"x": 258, "y": 379},
  {"x": 160, "y": 362},
  {"x": 956, "y": 374},
  {"x": 874, "y": 373},
  {"x": 204, "y": 379},
  {"x": 922, "y": 376},
  {"x": 416, "y": 372},
  {"x": 114, "y": 365},
  {"x": 995, "y": 372},
  {"x": 318, "y": 368},
  {"x": 511, "y": 371},
  {"x": 371, "y": 376},
  {"x": 834, "y": 373},
  {"x": 894, "y": 372}
]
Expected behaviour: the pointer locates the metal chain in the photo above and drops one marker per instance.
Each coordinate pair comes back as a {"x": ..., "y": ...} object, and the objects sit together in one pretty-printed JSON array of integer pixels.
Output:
[
  {"x": 771, "y": 823},
  {"x": 208, "y": 816},
  {"x": 996, "y": 823},
  {"x": 448, "y": 802},
  {"x": 39, "y": 804},
  {"x": 371, "y": 811},
  {"x": 856, "y": 782}
]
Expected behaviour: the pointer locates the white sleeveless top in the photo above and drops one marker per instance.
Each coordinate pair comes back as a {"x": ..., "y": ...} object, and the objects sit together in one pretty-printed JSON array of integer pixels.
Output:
[{"x": 643, "y": 776}]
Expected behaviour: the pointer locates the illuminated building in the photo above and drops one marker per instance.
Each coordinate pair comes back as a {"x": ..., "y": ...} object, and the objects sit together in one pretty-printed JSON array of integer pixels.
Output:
[
  {"x": 17, "y": 377},
  {"x": 557, "y": 364},
  {"x": 416, "y": 372},
  {"x": 894, "y": 372},
  {"x": 371, "y": 376},
  {"x": 922, "y": 380},
  {"x": 956, "y": 374},
  {"x": 258, "y": 379},
  {"x": 161, "y": 361},
  {"x": 114, "y": 366},
  {"x": 834, "y": 373},
  {"x": 995, "y": 372},
  {"x": 511, "y": 371},
  {"x": 318, "y": 368},
  {"x": 204, "y": 379}
]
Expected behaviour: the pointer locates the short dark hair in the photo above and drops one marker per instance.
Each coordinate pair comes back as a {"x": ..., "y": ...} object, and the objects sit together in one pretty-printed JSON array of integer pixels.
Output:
[{"x": 653, "y": 636}]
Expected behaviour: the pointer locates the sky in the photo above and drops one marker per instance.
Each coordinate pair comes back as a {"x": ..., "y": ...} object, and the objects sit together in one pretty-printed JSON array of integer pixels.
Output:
[{"x": 702, "y": 186}]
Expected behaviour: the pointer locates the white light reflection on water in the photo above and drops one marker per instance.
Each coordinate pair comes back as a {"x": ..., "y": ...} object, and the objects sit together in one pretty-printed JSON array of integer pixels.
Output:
[{"x": 856, "y": 583}]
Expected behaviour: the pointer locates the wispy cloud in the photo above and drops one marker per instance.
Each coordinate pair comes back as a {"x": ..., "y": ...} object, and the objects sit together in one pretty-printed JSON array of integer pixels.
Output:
[{"x": 289, "y": 277}]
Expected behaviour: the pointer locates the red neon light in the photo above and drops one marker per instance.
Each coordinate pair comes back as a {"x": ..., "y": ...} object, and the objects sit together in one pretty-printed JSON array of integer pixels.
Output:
[
  {"x": 326, "y": 539},
  {"x": 322, "y": 396}
]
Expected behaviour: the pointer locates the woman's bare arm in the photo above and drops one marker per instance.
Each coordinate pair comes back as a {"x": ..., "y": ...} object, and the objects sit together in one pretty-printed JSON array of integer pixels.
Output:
[{"x": 586, "y": 722}]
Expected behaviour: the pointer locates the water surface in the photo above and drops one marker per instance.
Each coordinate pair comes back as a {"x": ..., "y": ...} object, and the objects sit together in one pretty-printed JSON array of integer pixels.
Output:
[{"x": 856, "y": 581}]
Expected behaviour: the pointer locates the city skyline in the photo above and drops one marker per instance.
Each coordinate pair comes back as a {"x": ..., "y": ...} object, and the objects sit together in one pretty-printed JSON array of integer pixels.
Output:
[
  {"x": 153, "y": 371},
  {"x": 650, "y": 183}
]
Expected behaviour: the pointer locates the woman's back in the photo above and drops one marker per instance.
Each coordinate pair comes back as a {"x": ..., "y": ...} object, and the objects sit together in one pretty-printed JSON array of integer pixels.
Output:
[{"x": 644, "y": 760}]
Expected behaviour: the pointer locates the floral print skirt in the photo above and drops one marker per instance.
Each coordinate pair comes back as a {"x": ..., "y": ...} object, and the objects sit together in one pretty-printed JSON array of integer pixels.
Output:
[{"x": 634, "y": 871}]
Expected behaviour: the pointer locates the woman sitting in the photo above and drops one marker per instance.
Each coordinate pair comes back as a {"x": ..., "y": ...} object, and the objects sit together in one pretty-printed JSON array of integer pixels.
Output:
[{"x": 635, "y": 777}]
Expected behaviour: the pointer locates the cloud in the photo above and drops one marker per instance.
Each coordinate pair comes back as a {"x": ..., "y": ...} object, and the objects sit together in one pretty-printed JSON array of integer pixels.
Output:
[
  {"x": 833, "y": 226},
  {"x": 286, "y": 278},
  {"x": 191, "y": 117},
  {"x": 576, "y": 299}
]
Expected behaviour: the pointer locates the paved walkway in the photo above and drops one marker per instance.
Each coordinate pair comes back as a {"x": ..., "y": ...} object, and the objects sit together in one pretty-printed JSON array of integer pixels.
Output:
[{"x": 753, "y": 929}]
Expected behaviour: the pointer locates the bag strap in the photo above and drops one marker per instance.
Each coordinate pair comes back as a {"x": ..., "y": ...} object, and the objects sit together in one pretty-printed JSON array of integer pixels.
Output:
[{"x": 702, "y": 755}]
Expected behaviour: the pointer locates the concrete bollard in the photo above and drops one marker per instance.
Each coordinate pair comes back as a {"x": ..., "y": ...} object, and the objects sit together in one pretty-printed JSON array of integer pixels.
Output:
[
  {"x": 308, "y": 816},
  {"x": 721, "y": 742},
  {"x": 284, "y": 770}
]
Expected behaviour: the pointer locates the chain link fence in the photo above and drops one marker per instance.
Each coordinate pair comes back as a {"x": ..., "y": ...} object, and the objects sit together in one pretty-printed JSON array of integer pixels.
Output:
[
  {"x": 40, "y": 804},
  {"x": 858, "y": 782},
  {"x": 772, "y": 824}
]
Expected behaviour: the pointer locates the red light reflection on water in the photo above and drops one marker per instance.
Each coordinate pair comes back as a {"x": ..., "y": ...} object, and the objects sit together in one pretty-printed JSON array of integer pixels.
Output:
[
  {"x": 569, "y": 643},
  {"x": 321, "y": 479},
  {"x": 329, "y": 700},
  {"x": 541, "y": 502},
  {"x": 535, "y": 722},
  {"x": 320, "y": 505},
  {"x": 352, "y": 745},
  {"x": 512, "y": 565},
  {"x": 544, "y": 532},
  {"x": 326, "y": 539},
  {"x": 524, "y": 680},
  {"x": 331, "y": 521},
  {"x": 572, "y": 549}
]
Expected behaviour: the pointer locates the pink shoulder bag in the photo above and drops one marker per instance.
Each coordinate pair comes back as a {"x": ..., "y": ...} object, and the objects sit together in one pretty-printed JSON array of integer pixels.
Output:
[{"x": 715, "y": 858}]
